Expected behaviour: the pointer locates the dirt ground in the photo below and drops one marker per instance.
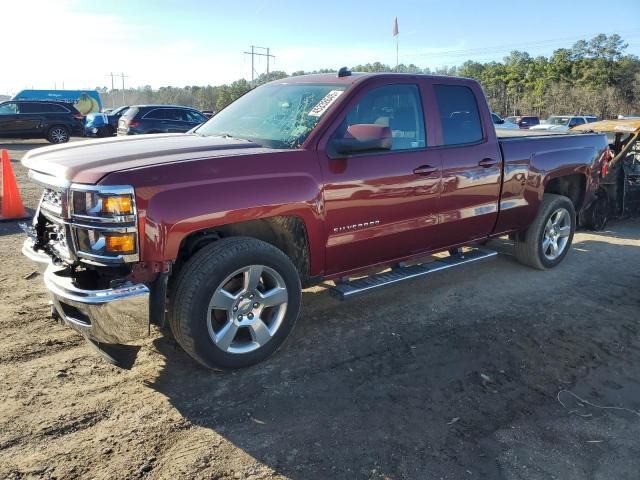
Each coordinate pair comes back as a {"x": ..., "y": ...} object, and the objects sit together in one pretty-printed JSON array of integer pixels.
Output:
[{"x": 466, "y": 375}]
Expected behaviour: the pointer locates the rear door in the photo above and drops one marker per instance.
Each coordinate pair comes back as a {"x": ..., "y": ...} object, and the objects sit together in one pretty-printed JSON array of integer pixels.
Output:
[
  {"x": 471, "y": 164},
  {"x": 33, "y": 116},
  {"x": 380, "y": 205},
  {"x": 8, "y": 118},
  {"x": 158, "y": 120}
]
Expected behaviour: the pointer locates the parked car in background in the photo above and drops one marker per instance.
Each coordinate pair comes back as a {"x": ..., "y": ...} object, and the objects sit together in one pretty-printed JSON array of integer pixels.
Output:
[
  {"x": 524, "y": 121},
  {"x": 103, "y": 124},
  {"x": 142, "y": 119},
  {"x": 54, "y": 121},
  {"x": 502, "y": 123},
  {"x": 562, "y": 123},
  {"x": 302, "y": 180}
]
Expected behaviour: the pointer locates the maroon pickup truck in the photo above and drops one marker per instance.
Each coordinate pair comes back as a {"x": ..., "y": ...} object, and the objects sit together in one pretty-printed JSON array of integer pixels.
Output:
[{"x": 356, "y": 178}]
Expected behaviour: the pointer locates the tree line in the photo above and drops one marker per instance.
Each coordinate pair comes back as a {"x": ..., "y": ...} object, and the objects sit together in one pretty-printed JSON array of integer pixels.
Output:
[{"x": 595, "y": 77}]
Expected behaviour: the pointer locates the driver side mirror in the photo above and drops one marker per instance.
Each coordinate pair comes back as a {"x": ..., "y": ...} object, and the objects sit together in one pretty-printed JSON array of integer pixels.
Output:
[{"x": 361, "y": 138}]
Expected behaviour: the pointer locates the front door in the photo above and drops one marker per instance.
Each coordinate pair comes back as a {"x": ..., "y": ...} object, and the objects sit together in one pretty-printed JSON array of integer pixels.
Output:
[
  {"x": 8, "y": 119},
  {"x": 381, "y": 204}
]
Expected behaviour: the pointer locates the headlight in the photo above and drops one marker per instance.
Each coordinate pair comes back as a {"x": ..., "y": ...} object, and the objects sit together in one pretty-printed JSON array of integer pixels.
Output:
[
  {"x": 114, "y": 204},
  {"x": 104, "y": 222}
]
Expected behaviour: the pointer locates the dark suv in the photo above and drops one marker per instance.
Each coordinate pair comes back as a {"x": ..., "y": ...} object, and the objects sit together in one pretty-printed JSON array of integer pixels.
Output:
[
  {"x": 55, "y": 121},
  {"x": 141, "y": 119},
  {"x": 525, "y": 122}
]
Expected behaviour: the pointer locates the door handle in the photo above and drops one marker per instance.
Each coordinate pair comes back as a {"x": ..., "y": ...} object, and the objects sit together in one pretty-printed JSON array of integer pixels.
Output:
[
  {"x": 487, "y": 163},
  {"x": 425, "y": 170}
]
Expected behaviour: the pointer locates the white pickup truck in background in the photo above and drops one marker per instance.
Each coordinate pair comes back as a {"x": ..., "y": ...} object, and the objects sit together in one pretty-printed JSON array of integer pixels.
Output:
[{"x": 562, "y": 123}]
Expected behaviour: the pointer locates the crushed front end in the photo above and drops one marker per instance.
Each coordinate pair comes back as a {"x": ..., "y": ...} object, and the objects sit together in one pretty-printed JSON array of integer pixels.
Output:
[{"x": 85, "y": 240}]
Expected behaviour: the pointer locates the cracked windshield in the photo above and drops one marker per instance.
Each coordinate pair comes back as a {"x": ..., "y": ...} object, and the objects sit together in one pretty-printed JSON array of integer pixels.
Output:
[{"x": 275, "y": 116}]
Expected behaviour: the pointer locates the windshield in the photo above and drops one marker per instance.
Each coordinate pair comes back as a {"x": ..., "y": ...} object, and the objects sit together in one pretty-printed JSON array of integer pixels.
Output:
[
  {"x": 558, "y": 120},
  {"x": 275, "y": 116}
]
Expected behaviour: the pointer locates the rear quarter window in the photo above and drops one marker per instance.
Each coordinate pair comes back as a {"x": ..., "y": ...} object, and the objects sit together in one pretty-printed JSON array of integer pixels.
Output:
[
  {"x": 131, "y": 113},
  {"x": 59, "y": 109},
  {"x": 459, "y": 115}
]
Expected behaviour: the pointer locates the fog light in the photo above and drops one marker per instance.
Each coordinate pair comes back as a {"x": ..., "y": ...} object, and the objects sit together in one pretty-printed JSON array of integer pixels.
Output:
[{"x": 120, "y": 243}]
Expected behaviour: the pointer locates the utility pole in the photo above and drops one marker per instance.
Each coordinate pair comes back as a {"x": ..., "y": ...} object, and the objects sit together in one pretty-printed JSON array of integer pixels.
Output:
[
  {"x": 113, "y": 100},
  {"x": 253, "y": 53},
  {"x": 123, "y": 77}
]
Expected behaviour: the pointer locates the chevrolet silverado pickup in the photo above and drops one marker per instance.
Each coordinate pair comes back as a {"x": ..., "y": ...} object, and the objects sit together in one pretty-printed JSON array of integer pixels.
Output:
[{"x": 363, "y": 179}]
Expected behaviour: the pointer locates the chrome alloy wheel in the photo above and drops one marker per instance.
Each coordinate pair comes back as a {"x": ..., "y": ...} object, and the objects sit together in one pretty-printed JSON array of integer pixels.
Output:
[
  {"x": 247, "y": 309},
  {"x": 59, "y": 135},
  {"x": 556, "y": 234}
]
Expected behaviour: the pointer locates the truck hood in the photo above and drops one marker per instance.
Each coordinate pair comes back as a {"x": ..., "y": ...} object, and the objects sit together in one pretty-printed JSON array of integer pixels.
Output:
[{"x": 89, "y": 161}]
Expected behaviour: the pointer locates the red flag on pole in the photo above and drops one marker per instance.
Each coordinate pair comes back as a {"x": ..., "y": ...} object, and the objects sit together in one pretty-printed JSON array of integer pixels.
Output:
[{"x": 395, "y": 27}]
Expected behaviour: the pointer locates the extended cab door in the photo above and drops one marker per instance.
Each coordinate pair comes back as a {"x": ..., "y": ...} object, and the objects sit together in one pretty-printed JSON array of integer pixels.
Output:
[
  {"x": 380, "y": 204},
  {"x": 471, "y": 163}
]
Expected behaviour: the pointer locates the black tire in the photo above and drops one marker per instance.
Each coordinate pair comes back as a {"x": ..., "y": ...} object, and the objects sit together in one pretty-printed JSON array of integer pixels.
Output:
[
  {"x": 529, "y": 244},
  {"x": 597, "y": 215},
  {"x": 105, "y": 131},
  {"x": 58, "y": 134},
  {"x": 204, "y": 274}
]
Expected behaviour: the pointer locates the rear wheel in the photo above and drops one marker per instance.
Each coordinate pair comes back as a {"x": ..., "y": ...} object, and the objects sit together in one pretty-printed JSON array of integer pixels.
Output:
[
  {"x": 597, "y": 215},
  {"x": 58, "y": 134},
  {"x": 235, "y": 303},
  {"x": 548, "y": 239},
  {"x": 105, "y": 131}
]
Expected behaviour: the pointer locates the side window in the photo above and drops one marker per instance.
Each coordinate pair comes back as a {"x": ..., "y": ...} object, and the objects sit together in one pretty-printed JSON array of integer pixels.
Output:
[
  {"x": 576, "y": 121},
  {"x": 157, "y": 114},
  {"x": 195, "y": 117},
  {"x": 8, "y": 109},
  {"x": 180, "y": 115},
  {"x": 395, "y": 106},
  {"x": 459, "y": 115},
  {"x": 28, "y": 107}
]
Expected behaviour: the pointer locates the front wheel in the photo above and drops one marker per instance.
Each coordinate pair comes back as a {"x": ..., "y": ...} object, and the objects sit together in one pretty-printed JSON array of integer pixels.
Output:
[
  {"x": 548, "y": 239},
  {"x": 234, "y": 303}
]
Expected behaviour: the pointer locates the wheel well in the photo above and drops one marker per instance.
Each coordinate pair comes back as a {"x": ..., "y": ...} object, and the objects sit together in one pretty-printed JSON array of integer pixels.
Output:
[
  {"x": 571, "y": 186},
  {"x": 286, "y": 233}
]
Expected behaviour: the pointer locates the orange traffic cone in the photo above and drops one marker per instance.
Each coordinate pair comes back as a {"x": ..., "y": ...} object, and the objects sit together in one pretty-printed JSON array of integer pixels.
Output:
[{"x": 12, "y": 207}]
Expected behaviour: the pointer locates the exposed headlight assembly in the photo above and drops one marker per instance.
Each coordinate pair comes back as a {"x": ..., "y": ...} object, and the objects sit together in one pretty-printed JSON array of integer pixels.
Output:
[
  {"x": 114, "y": 204},
  {"x": 105, "y": 223}
]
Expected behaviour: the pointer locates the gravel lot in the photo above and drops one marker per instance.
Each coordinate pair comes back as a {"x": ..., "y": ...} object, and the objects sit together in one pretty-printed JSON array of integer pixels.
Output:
[{"x": 463, "y": 376}]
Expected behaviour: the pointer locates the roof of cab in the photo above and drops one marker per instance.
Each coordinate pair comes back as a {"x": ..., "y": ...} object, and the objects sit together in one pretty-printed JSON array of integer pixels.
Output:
[
  {"x": 333, "y": 78},
  {"x": 629, "y": 125}
]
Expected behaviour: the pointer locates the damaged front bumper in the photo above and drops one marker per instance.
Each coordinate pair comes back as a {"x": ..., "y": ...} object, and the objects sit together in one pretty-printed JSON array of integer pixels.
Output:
[{"x": 111, "y": 316}]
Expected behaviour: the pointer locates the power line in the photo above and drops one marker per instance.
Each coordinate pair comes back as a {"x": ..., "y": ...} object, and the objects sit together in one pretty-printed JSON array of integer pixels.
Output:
[
  {"x": 253, "y": 53},
  {"x": 507, "y": 48}
]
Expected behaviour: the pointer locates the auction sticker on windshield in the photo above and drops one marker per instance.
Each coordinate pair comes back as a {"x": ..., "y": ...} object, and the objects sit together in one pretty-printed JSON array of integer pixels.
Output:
[{"x": 325, "y": 103}]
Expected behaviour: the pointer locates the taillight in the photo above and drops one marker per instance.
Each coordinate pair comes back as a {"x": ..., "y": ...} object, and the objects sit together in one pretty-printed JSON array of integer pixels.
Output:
[
  {"x": 78, "y": 116},
  {"x": 131, "y": 124}
]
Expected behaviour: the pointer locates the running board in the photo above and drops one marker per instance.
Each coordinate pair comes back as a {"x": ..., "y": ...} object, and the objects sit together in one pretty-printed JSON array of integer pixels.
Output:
[{"x": 351, "y": 288}]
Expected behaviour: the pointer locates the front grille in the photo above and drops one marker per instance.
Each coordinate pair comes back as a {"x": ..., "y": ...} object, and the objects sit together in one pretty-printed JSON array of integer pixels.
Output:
[{"x": 52, "y": 200}]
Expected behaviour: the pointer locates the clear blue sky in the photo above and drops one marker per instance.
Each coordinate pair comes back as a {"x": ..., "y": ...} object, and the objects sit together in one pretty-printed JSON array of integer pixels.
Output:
[{"x": 184, "y": 42}]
